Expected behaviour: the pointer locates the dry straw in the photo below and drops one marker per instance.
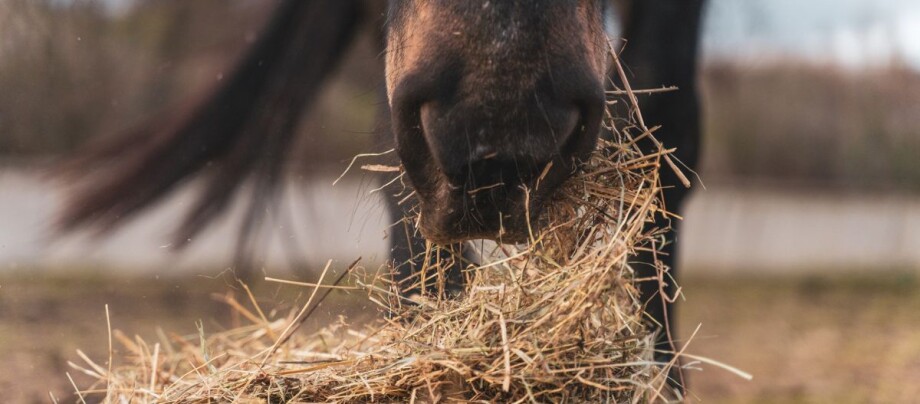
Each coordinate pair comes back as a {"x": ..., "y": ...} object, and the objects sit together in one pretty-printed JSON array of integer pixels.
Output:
[{"x": 555, "y": 319}]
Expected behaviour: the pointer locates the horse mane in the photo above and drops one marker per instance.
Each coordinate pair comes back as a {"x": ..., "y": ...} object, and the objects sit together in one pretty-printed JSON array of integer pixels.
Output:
[{"x": 241, "y": 129}]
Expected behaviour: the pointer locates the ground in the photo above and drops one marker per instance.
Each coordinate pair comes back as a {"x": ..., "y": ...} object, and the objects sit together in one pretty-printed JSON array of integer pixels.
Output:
[{"x": 815, "y": 339}]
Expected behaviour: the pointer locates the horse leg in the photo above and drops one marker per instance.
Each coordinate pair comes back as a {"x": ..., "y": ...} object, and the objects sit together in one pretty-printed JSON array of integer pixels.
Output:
[
  {"x": 659, "y": 272},
  {"x": 663, "y": 38}
]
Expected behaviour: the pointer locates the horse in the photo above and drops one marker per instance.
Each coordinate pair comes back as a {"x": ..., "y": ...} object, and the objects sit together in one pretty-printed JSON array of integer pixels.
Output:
[{"x": 478, "y": 94}]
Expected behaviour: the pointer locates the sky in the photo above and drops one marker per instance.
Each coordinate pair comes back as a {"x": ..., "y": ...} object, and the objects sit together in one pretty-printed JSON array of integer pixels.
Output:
[{"x": 855, "y": 33}]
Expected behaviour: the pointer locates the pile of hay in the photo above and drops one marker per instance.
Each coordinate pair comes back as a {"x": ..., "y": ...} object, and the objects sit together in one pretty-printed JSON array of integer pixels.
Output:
[{"x": 557, "y": 319}]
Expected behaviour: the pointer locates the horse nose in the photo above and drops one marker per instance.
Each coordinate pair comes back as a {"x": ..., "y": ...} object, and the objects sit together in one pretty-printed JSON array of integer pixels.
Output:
[
  {"x": 463, "y": 121},
  {"x": 468, "y": 141}
]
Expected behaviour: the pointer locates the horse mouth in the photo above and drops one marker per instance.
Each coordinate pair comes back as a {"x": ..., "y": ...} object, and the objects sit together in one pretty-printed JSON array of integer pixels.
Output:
[
  {"x": 498, "y": 213},
  {"x": 505, "y": 206},
  {"x": 501, "y": 207}
]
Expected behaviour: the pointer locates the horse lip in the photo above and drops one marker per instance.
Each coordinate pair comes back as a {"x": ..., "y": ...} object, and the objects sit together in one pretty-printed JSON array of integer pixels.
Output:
[
  {"x": 456, "y": 227},
  {"x": 452, "y": 217},
  {"x": 445, "y": 207}
]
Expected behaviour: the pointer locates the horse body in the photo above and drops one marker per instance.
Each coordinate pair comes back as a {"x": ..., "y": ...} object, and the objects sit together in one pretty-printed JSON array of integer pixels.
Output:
[{"x": 483, "y": 99}]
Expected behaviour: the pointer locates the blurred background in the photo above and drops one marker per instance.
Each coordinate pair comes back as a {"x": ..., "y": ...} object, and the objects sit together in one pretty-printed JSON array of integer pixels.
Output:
[{"x": 800, "y": 252}]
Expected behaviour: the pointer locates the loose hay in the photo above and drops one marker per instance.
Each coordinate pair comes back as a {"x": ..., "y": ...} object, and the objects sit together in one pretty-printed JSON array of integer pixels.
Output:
[{"x": 556, "y": 319}]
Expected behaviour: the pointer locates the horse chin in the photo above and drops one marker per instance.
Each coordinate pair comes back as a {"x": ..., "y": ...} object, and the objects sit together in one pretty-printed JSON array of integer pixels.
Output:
[
  {"x": 459, "y": 218},
  {"x": 449, "y": 229}
]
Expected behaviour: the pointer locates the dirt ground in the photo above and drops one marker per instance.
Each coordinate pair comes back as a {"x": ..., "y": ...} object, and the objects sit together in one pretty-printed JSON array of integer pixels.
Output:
[{"x": 850, "y": 339}]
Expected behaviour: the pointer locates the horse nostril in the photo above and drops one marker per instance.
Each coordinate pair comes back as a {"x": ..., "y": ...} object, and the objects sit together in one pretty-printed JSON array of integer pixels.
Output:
[
  {"x": 483, "y": 152},
  {"x": 468, "y": 141},
  {"x": 490, "y": 172}
]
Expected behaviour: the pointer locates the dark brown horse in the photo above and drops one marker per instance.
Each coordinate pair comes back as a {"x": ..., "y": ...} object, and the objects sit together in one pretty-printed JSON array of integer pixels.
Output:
[{"x": 481, "y": 94}]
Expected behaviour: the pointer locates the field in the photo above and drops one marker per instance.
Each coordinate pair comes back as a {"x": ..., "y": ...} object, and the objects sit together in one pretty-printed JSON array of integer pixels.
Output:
[{"x": 806, "y": 339}]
